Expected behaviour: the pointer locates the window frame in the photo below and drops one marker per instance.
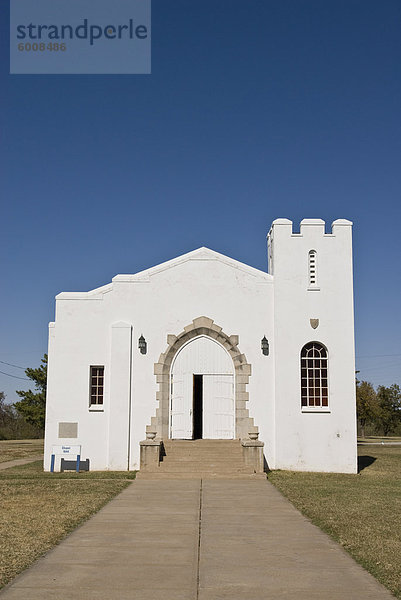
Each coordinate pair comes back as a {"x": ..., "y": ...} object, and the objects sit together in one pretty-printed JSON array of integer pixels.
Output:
[
  {"x": 305, "y": 366},
  {"x": 97, "y": 406}
]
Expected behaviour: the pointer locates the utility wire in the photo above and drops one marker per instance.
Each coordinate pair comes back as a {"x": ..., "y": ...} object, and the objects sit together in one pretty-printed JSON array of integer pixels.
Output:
[
  {"x": 11, "y": 365},
  {"x": 15, "y": 376},
  {"x": 380, "y": 367},
  {"x": 377, "y": 355}
]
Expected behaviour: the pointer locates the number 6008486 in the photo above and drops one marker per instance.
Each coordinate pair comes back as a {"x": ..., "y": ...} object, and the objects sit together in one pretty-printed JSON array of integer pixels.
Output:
[{"x": 42, "y": 47}]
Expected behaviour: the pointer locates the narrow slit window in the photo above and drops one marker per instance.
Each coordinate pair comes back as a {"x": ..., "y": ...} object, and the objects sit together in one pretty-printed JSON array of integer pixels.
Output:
[
  {"x": 312, "y": 268},
  {"x": 314, "y": 388},
  {"x": 96, "y": 385}
]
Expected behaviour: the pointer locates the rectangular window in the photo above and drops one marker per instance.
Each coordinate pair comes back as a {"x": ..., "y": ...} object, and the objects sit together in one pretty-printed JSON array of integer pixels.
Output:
[
  {"x": 96, "y": 385},
  {"x": 312, "y": 269}
]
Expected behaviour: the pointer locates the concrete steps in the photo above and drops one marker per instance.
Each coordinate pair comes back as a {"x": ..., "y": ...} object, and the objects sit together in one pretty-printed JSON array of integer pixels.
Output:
[
  {"x": 198, "y": 475},
  {"x": 202, "y": 459}
]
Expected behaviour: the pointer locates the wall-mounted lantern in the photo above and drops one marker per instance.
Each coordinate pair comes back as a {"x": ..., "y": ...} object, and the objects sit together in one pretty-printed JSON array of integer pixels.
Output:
[
  {"x": 142, "y": 345},
  {"x": 265, "y": 346}
]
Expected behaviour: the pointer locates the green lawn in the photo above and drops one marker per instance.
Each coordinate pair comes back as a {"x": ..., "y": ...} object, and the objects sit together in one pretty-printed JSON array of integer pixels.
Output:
[
  {"x": 362, "y": 512},
  {"x": 39, "y": 509}
]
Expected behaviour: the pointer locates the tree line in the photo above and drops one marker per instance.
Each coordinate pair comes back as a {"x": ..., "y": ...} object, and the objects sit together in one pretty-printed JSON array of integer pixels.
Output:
[
  {"x": 378, "y": 411},
  {"x": 26, "y": 419}
]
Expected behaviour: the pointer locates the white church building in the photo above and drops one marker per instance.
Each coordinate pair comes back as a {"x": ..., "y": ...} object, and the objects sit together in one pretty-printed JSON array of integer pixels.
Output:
[{"x": 204, "y": 347}]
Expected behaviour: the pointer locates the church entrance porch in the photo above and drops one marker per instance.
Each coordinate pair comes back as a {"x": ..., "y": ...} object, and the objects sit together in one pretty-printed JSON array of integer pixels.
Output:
[
  {"x": 205, "y": 459},
  {"x": 235, "y": 364},
  {"x": 202, "y": 399}
]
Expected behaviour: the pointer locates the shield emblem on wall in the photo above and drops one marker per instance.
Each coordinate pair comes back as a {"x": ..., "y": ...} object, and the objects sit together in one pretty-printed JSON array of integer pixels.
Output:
[{"x": 314, "y": 323}]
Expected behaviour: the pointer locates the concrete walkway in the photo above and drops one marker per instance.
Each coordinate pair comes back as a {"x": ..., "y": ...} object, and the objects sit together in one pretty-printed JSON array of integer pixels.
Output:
[
  {"x": 197, "y": 540},
  {"x": 19, "y": 461}
]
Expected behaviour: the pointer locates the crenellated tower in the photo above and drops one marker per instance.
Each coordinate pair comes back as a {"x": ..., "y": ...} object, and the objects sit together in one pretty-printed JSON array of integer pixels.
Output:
[{"x": 314, "y": 345}]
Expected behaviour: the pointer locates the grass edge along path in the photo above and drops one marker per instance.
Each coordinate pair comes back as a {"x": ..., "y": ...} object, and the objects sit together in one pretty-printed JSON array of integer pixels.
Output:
[
  {"x": 38, "y": 510},
  {"x": 16, "y": 449},
  {"x": 361, "y": 512}
]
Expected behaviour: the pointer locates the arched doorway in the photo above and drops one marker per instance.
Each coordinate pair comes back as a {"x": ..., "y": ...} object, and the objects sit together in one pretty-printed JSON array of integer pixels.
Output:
[
  {"x": 202, "y": 399},
  {"x": 201, "y": 326}
]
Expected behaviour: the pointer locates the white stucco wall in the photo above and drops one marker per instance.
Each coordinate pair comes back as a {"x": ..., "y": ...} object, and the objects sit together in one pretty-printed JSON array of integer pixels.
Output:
[
  {"x": 102, "y": 327},
  {"x": 310, "y": 439},
  {"x": 155, "y": 303}
]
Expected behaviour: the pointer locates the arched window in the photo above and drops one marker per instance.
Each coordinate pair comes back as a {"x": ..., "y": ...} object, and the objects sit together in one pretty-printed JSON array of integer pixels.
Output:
[
  {"x": 312, "y": 268},
  {"x": 314, "y": 378}
]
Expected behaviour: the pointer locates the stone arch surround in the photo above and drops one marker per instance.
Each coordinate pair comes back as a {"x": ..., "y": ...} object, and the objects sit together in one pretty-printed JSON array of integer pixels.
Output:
[{"x": 202, "y": 326}]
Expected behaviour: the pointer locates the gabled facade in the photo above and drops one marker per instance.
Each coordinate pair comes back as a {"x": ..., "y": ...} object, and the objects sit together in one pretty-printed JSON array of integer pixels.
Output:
[{"x": 176, "y": 352}]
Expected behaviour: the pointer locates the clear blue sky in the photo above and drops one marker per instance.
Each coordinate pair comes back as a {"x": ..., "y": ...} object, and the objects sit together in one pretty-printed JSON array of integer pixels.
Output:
[{"x": 255, "y": 109}]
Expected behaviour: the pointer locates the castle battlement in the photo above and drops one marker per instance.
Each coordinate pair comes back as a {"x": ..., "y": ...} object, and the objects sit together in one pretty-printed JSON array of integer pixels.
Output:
[{"x": 308, "y": 226}]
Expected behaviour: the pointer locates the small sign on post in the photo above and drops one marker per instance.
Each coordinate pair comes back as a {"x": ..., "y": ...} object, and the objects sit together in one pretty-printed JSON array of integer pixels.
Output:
[{"x": 65, "y": 450}]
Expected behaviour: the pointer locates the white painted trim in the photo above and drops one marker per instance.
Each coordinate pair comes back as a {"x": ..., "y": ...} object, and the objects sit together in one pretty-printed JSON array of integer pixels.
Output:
[
  {"x": 315, "y": 409},
  {"x": 96, "y": 294}
]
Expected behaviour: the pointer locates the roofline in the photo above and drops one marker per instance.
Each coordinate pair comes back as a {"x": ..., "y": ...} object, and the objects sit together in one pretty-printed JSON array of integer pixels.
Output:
[{"x": 202, "y": 253}]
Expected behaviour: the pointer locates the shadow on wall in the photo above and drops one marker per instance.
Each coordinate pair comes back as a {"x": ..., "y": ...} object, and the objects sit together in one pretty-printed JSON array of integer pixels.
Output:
[{"x": 365, "y": 461}]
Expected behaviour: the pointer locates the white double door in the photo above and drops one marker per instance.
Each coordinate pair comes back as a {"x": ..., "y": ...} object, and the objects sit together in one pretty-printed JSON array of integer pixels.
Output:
[{"x": 203, "y": 357}]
